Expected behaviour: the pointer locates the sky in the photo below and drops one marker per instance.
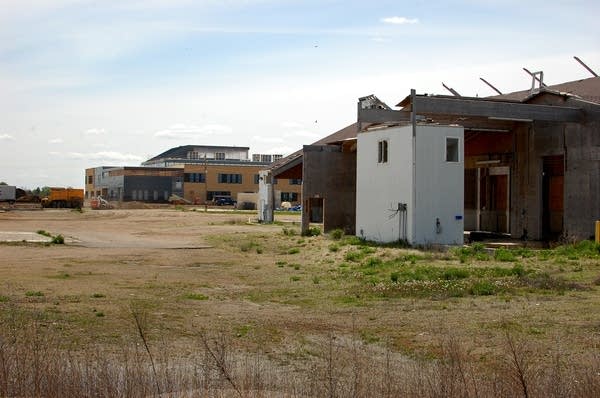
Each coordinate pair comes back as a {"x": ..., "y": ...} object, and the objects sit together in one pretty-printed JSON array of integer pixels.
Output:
[{"x": 115, "y": 82}]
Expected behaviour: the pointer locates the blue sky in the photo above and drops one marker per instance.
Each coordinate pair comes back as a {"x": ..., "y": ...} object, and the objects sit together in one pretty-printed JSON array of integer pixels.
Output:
[{"x": 90, "y": 83}]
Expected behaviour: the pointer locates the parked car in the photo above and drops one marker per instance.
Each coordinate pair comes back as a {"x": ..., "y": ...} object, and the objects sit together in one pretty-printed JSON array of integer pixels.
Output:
[
  {"x": 295, "y": 208},
  {"x": 224, "y": 201}
]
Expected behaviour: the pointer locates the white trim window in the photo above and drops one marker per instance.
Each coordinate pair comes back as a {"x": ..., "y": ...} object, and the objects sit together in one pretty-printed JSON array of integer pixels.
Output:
[{"x": 452, "y": 149}]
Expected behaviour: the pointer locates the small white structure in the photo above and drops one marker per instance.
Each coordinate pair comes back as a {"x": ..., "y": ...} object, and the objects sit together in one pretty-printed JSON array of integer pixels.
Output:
[
  {"x": 265, "y": 197},
  {"x": 409, "y": 184}
]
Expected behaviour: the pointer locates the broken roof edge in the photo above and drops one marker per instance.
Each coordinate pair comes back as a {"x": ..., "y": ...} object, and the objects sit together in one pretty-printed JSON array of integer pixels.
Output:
[
  {"x": 407, "y": 100},
  {"x": 349, "y": 131}
]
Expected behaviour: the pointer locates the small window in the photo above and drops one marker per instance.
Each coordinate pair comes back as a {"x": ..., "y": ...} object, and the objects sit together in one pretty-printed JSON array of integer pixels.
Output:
[
  {"x": 229, "y": 178},
  {"x": 256, "y": 178},
  {"x": 219, "y": 155},
  {"x": 452, "y": 149},
  {"x": 382, "y": 151},
  {"x": 289, "y": 196}
]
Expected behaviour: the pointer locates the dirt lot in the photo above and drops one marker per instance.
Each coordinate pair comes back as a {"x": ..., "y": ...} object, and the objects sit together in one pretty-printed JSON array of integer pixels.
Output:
[{"x": 268, "y": 289}]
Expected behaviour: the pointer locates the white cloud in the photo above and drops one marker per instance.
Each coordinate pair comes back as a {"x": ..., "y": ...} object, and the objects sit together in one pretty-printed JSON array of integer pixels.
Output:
[
  {"x": 55, "y": 141},
  {"x": 105, "y": 156},
  {"x": 400, "y": 20},
  {"x": 54, "y": 153},
  {"x": 95, "y": 131},
  {"x": 6, "y": 137},
  {"x": 183, "y": 131}
]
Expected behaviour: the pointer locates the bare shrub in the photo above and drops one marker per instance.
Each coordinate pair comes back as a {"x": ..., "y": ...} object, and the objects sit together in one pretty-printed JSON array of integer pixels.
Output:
[{"x": 33, "y": 363}]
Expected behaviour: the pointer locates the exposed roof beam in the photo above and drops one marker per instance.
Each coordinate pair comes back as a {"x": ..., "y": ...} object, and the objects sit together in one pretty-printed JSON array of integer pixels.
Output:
[
  {"x": 585, "y": 66},
  {"x": 382, "y": 116},
  {"x": 490, "y": 84},
  {"x": 453, "y": 91},
  {"x": 535, "y": 77},
  {"x": 496, "y": 109}
]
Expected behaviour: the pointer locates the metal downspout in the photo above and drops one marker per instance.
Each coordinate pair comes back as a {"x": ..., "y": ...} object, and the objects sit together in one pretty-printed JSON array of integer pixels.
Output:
[{"x": 413, "y": 120}]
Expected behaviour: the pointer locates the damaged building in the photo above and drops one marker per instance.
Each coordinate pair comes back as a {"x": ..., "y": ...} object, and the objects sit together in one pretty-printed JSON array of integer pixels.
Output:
[
  {"x": 530, "y": 165},
  {"x": 531, "y": 159}
]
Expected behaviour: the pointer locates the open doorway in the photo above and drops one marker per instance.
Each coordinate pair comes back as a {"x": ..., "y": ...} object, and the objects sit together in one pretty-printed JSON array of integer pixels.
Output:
[
  {"x": 487, "y": 199},
  {"x": 552, "y": 196}
]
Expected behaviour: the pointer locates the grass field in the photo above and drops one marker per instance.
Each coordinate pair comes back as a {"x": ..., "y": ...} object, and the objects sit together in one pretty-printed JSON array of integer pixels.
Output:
[{"x": 175, "y": 302}]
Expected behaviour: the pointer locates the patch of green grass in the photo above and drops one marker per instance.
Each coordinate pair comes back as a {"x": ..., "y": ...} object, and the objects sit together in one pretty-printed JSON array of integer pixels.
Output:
[
  {"x": 482, "y": 288},
  {"x": 475, "y": 251},
  {"x": 334, "y": 247},
  {"x": 58, "y": 240},
  {"x": 313, "y": 231},
  {"x": 34, "y": 293},
  {"x": 451, "y": 273},
  {"x": 289, "y": 231},
  {"x": 411, "y": 258},
  {"x": 247, "y": 246},
  {"x": 352, "y": 241},
  {"x": 583, "y": 249},
  {"x": 354, "y": 255},
  {"x": 3, "y": 299},
  {"x": 44, "y": 233},
  {"x": 293, "y": 250},
  {"x": 337, "y": 234},
  {"x": 242, "y": 330},
  {"x": 196, "y": 296},
  {"x": 373, "y": 262},
  {"x": 97, "y": 295},
  {"x": 100, "y": 314},
  {"x": 295, "y": 278},
  {"x": 316, "y": 280},
  {"x": 504, "y": 255},
  {"x": 61, "y": 275}
]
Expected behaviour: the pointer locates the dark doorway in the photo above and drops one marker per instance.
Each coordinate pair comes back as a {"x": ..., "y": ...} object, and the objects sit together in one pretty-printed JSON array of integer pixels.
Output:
[
  {"x": 315, "y": 210},
  {"x": 552, "y": 196}
]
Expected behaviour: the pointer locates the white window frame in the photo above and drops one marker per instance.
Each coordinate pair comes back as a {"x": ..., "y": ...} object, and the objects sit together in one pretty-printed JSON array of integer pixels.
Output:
[{"x": 458, "y": 155}]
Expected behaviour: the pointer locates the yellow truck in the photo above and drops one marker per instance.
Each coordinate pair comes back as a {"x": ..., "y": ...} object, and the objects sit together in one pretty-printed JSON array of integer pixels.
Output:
[{"x": 64, "y": 198}]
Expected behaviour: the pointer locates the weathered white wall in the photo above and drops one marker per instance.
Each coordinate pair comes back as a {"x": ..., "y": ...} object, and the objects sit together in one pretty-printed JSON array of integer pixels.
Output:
[
  {"x": 381, "y": 186},
  {"x": 439, "y": 187}
]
